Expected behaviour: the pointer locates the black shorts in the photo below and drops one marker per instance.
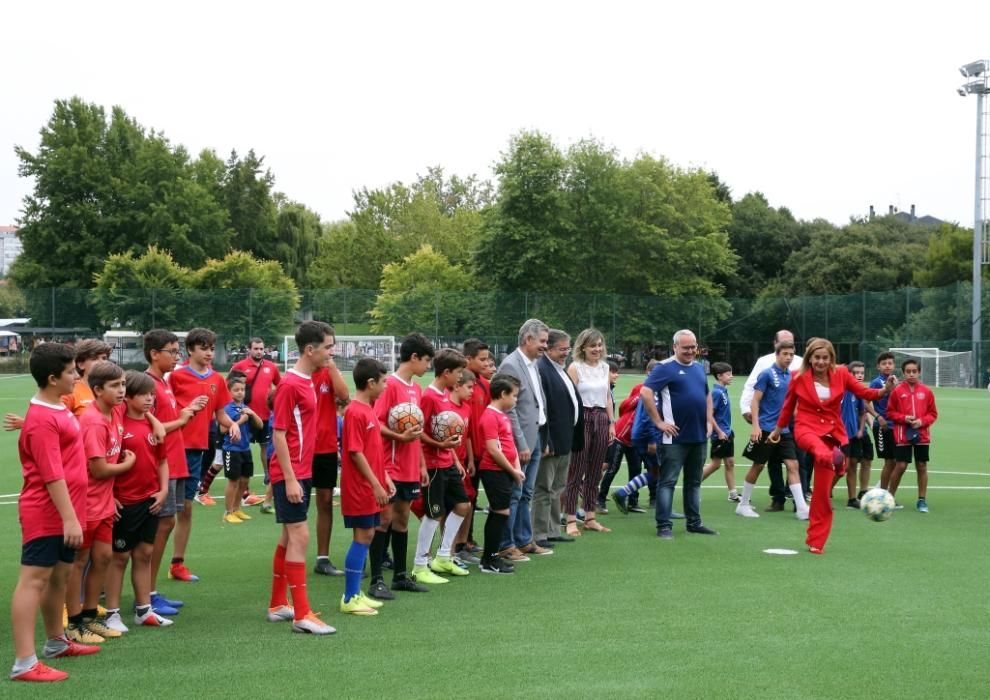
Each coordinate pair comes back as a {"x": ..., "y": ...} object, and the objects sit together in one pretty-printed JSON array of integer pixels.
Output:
[
  {"x": 363, "y": 522},
  {"x": 262, "y": 435},
  {"x": 136, "y": 524},
  {"x": 288, "y": 513},
  {"x": 445, "y": 490},
  {"x": 724, "y": 449},
  {"x": 765, "y": 451},
  {"x": 884, "y": 438},
  {"x": 325, "y": 471},
  {"x": 498, "y": 488},
  {"x": 406, "y": 491},
  {"x": 47, "y": 552},
  {"x": 902, "y": 453},
  {"x": 238, "y": 465},
  {"x": 861, "y": 448}
]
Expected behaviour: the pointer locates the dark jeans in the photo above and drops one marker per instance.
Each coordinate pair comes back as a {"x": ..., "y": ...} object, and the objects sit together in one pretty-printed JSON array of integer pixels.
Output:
[
  {"x": 613, "y": 460},
  {"x": 779, "y": 490},
  {"x": 691, "y": 458}
]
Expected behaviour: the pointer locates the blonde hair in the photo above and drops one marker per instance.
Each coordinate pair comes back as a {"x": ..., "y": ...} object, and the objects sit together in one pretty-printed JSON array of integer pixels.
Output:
[
  {"x": 813, "y": 346},
  {"x": 589, "y": 336}
]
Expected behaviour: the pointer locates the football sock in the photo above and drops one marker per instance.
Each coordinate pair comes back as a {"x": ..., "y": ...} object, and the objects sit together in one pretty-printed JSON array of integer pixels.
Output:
[
  {"x": 142, "y": 609},
  {"x": 450, "y": 528},
  {"x": 354, "y": 569},
  {"x": 798, "y": 494},
  {"x": 177, "y": 560},
  {"x": 637, "y": 482},
  {"x": 494, "y": 528},
  {"x": 89, "y": 614},
  {"x": 377, "y": 554},
  {"x": 207, "y": 480},
  {"x": 280, "y": 584},
  {"x": 747, "y": 492},
  {"x": 23, "y": 665},
  {"x": 424, "y": 540},
  {"x": 400, "y": 550},
  {"x": 295, "y": 573},
  {"x": 56, "y": 645},
  {"x": 75, "y": 619}
]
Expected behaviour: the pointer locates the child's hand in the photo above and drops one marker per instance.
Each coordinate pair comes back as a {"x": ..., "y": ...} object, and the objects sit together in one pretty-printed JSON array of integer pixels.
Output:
[
  {"x": 756, "y": 433},
  {"x": 470, "y": 467},
  {"x": 411, "y": 433},
  {"x": 460, "y": 470},
  {"x": 127, "y": 457},
  {"x": 158, "y": 433},
  {"x": 160, "y": 497},
  {"x": 381, "y": 497},
  {"x": 199, "y": 403},
  {"x": 117, "y": 508},
  {"x": 72, "y": 534},
  {"x": 451, "y": 442},
  {"x": 518, "y": 475},
  {"x": 12, "y": 421},
  {"x": 235, "y": 433},
  {"x": 389, "y": 486}
]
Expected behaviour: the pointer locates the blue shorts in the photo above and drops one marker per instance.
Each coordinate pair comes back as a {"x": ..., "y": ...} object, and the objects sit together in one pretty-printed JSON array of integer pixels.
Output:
[
  {"x": 362, "y": 522},
  {"x": 194, "y": 458},
  {"x": 651, "y": 462},
  {"x": 46, "y": 552},
  {"x": 288, "y": 513}
]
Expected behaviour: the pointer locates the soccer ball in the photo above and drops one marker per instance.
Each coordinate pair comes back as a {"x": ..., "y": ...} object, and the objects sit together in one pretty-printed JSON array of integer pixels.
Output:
[
  {"x": 403, "y": 416},
  {"x": 446, "y": 425},
  {"x": 878, "y": 504}
]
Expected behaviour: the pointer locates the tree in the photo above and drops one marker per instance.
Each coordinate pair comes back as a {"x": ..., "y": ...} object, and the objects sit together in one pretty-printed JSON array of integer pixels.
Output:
[
  {"x": 247, "y": 196},
  {"x": 949, "y": 258},
  {"x": 141, "y": 293},
  {"x": 297, "y": 230}
]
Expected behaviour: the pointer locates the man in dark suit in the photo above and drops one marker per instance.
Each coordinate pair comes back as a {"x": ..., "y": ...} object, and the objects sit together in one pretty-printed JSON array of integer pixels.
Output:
[{"x": 565, "y": 432}]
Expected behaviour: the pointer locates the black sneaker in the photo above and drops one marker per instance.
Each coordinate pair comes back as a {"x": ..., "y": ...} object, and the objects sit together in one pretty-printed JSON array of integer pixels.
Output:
[
  {"x": 497, "y": 565},
  {"x": 387, "y": 562},
  {"x": 380, "y": 591},
  {"x": 774, "y": 507},
  {"x": 665, "y": 533},
  {"x": 635, "y": 508},
  {"x": 325, "y": 567},
  {"x": 853, "y": 504},
  {"x": 859, "y": 496},
  {"x": 407, "y": 584},
  {"x": 620, "y": 500},
  {"x": 701, "y": 530}
]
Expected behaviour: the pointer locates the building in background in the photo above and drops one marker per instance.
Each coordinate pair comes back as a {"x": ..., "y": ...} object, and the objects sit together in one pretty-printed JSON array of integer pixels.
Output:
[{"x": 10, "y": 248}]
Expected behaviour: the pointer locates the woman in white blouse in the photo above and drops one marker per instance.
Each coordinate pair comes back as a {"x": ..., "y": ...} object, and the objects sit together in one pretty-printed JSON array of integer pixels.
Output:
[{"x": 589, "y": 370}]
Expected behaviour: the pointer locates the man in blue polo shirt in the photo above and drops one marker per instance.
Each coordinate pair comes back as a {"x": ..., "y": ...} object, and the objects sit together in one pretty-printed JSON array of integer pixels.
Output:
[
  {"x": 677, "y": 388},
  {"x": 768, "y": 400}
]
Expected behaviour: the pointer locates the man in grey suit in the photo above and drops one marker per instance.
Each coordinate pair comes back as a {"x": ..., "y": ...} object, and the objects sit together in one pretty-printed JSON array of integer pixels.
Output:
[{"x": 529, "y": 419}]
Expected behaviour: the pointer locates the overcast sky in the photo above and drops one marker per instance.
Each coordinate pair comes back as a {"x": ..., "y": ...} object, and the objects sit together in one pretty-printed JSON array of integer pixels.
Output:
[{"x": 825, "y": 110}]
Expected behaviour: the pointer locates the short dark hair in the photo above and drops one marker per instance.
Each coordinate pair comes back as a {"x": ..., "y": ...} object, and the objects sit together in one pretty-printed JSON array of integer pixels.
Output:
[
  {"x": 856, "y": 364},
  {"x": 783, "y": 345},
  {"x": 466, "y": 376},
  {"x": 885, "y": 355},
  {"x": 448, "y": 358},
  {"x": 312, "y": 333},
  {"x": 256, "y": 339},
  {"x": 103, "y": 372},
  {"x": 138, "y": 383},
  {"x": 236, "y": 378},
  {"x": 50, "y": 359},
  {"x": 503, "y": 384},
  {"x": 156, "y": 340},
  {"x": 415, "y": 344},
  {"x": 473, "y": 346},
  {"x": 201, "y": 337},
  {"x": 556, "y": 335},
  {"x": 91, "y": 349},
  {"x": 613, "y": 366},
  {"x": 720, "y": 368},
  {"x": 911, "y": 361},
  {"x": 367, "y": 369}
]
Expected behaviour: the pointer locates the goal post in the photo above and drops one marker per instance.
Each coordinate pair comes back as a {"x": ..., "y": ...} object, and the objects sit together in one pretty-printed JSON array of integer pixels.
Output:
[
  {"x": 348, "y": 350},
  {"x": 939, "y": 367}
]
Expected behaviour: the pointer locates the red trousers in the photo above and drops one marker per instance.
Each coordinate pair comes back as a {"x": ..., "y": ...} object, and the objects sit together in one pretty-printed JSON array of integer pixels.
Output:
[{"x": 820, "y": 448}]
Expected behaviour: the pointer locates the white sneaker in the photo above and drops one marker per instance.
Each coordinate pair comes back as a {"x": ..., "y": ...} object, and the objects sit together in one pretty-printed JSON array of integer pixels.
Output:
[
  {"x": 115, "y": 622},
  {"x": 746, "y": 510},
  {"x": 734, "y": 497},
  {"x": 151, "y": 619},
  {"x": 311, "y": 624},
  {"x": 803, "y": 514},
  {"x": 283, "y": 613}
]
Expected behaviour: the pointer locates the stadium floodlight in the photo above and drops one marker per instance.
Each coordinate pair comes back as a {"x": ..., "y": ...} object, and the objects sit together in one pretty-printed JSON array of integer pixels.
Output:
[{"x": 981, "y": 204}]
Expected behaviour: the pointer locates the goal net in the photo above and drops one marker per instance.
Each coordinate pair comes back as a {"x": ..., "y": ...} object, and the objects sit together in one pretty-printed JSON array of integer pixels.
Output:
[
  {"x": 349, "y": 349},
  {"x": 939, "y": 367}
]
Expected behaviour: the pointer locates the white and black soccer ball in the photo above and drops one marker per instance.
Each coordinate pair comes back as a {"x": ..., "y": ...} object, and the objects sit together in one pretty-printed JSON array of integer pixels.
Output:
[{"x": 878, "y": 504}]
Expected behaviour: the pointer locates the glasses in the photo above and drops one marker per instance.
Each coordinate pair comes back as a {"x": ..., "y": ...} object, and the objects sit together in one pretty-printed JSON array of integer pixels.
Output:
[{"x": 688, "y": 347}]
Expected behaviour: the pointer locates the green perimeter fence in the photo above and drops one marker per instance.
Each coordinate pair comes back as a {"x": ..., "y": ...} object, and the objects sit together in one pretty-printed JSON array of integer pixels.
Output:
[{"x": 635, "y": 327}]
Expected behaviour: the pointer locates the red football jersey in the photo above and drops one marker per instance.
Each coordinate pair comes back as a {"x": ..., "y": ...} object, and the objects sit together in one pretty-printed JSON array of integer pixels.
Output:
[
  {"x": 166, "y": 410},
  {"x": 50, "y": 448},
  {"x": 479, "y": 401},
  {"x": 464, "y": 411},
  {"x": 401, "y": 458},
  {"x": 326, "y": 402},
  {"x": 267, "y": 377},
  {"x": 435, "y": 401},
  {"x": 187, "y": 384},
  {"x": 495, "y": 425},
  {"x": 101, "y": 438},
  {"x": 140, "y": 482},
  {"x": 296, "y": 414},
  {"x": 362, "y": 433}
]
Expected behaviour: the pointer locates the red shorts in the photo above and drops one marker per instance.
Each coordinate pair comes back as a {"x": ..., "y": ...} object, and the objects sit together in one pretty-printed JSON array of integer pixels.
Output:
[
  {"x": 99, "y": 531},
  {"x": 469, "y": 489}
]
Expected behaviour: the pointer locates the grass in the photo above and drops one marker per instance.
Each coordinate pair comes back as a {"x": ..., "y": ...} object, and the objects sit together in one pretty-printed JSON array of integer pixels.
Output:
[{"x": 894, "y": 609}]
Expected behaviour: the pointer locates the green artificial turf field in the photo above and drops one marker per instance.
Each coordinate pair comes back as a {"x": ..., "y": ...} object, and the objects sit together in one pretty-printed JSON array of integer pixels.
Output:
[{"x": 895, "y": 609}]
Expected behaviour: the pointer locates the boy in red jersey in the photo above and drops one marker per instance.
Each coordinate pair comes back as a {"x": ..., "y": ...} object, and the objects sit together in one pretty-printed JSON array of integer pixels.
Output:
[
  {"x": 911, "y": 410},
  {"x": 460, "y": 398},
  {"x": 261, "y": 376},
  {"x": 52, "y": 513},
  {"x": 445, "y": 474},
  {"x": 330, "y": 386},
  {"x": 102, "y": 432},
  {"x": 291, "y": 470},
  {"x": 141, "y": 492},
  {"x": 364, "y": 486},
  {"x": 499, "y": 468},
  {"x": 478, "y": 358},
  {"x": 189, "y": 383},
  {"x": 161, "y": 350},
  {"x": 405, "y": 466}
]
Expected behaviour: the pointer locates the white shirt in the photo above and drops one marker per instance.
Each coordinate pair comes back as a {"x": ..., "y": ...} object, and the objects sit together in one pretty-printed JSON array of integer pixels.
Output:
[
  {"x": 534, "y": 377},
  {"x": 570, "y": 387},
  {"x": 746, "y": 399},
  {"x": 592, "y": 383}
]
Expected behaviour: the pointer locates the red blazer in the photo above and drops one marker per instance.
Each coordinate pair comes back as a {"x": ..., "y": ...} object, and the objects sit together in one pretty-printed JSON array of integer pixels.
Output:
[
  {"x": 904, "y": 402},
  {"x": 814, "y": 416}
]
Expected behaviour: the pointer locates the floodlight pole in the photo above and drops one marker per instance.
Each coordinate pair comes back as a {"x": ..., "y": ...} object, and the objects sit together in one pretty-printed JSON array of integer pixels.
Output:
[{"x": 978, "y": 235}]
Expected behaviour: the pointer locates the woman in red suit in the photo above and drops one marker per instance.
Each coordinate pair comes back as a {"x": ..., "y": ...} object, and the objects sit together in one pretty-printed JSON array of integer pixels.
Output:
[{"x": 814, "y": 397}]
